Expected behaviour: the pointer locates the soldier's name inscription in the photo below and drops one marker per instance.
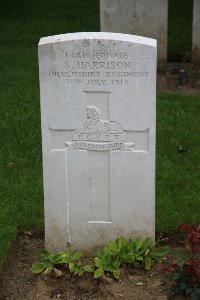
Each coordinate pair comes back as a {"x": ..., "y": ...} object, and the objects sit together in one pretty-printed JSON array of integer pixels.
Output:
[{"x": 95, "y": 68}]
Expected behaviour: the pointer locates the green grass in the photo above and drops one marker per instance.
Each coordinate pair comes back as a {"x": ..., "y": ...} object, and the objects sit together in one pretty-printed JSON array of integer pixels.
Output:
[
  {"x": 178, "y": 173},
  {"x": 22, "y": 24}
]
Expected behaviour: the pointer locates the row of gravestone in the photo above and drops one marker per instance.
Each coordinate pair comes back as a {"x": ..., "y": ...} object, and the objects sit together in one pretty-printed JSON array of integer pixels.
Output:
[{"x": 147, "y": 18}]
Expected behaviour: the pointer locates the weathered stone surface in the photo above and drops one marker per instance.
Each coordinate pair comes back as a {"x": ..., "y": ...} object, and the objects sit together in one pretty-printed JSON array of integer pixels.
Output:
[
  {"x": 141, "y": 17},
  {"x": 196, "y": 32},
  {"x": 98, "y": 130}
]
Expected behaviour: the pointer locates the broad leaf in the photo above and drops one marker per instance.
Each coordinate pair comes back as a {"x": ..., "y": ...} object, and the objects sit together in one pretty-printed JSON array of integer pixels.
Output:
[
  {"x": 69, "y": 252},
  {"x": 38, "y": 268},
  {"x": 45, "y": 253},
  {"x": 107, "y": 258},
  {"x": 129, "y": 258},
  {"x": 116, "y": 262},
  {"x": 139, "y": 257},
  {"x": 98, "y": 273},
  {"x": 112, "y": 269},
  {"x": 77, "y": 255},
  {"x": 57, "y": 258},
  {"x": 147, "y": 263},
  {"x": 99, "y": 262},
  {"x": 116, "y": 274},
  {"x": 88, "y": 268},
  {"x": 161, "y": 251},
  {"x": 113, "y": 246},
  {"x": 138, "y": 244},
  {"x": 71, "y": 267},
  {"x": 147, "y": 243},
  {"x": 99, "y": 253},
  {"x": 156, "y": 258},
  {"x": 64, "y": 259},
  {"x": 121, "y": 242}
]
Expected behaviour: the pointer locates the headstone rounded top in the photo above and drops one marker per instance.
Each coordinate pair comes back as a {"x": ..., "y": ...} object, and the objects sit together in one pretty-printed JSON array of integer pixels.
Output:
[
  {"x": 98, "y": 35},
  {"x": 98, "y": 94}
]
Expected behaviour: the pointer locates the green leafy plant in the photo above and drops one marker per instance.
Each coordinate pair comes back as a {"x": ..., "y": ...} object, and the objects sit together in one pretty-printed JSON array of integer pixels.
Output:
[
  {"x": 68, "y": 258},
  {"x": 139, "y": 252},
  {"x": 75, "y": 266},
  {"x": 48, "y": 263},
  {"x": 185, "y": 271}
]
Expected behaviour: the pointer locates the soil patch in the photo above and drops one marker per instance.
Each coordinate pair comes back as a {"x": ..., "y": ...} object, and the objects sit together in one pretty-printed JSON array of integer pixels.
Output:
[
  {"x": 18, "y": 282},
  {"x": 179, "y": 77}
]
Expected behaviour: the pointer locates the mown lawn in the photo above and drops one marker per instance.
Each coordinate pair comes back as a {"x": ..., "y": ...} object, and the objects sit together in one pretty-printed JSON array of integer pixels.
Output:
[
  {"x": 22, "y": 23},
  {"x": 178, "y": 170}
]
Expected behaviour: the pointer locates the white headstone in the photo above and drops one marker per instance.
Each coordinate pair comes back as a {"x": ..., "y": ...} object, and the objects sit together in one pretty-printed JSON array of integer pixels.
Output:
[
  {"x": 98, "y": 94},
  {"x": 196, "y": 32},
  {"x": 148, "y": 18}
]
